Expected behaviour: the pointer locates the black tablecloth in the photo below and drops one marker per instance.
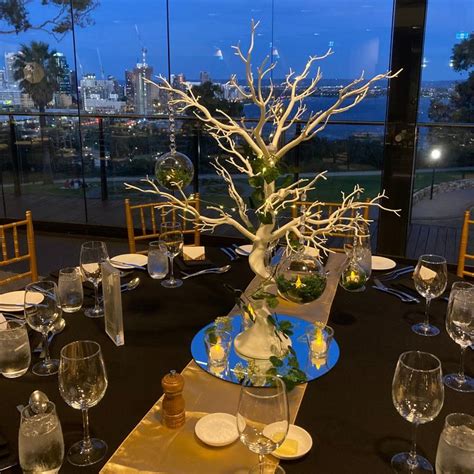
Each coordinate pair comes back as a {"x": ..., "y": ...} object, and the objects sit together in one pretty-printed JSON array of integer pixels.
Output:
[{"x": 349, "y": 411}]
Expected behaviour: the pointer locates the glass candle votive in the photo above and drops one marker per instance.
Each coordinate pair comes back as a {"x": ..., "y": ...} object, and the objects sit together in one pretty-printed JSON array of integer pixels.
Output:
[
  {"x": 353, "y": 277},
  {"x": 157, "y": 260},
  {"x": 218, "y": 345},
  {"x": 319, "y": 340},
  {"x": 15, "y": 353},
  {"x": 71, "y": 293}
]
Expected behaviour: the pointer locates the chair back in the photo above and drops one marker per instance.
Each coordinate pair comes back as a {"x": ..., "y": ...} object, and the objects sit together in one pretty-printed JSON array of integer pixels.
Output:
[
  {"x": 327, "y": 208},
  {"x": 463, "y": 247},
  {"x": 9, "y": 237},
  {"x": 144, "y": 220}
]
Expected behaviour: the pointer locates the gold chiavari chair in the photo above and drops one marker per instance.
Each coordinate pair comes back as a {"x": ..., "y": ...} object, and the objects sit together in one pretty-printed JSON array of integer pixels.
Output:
[
  {"x": 463, "y": 247},
  {"x": 149, "y": 218},
  {"x": 326, "y": 208},
  {"x": 20, "y": 253}
]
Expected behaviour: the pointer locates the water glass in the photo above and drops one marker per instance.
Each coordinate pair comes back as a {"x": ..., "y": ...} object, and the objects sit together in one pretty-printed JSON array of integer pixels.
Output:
[
  {"x": 263, "y": 420},
  {"x": 460, "y": 327},
  {"x": 71, "y": 294},
  {"x": 40, "y": 440},
  {"x": 430, "y": 278},
  {"x": 157, "y": 260},
  {"x": 82, "y": 384},
  {"x": 15, "y": 354},
  {"x": 418, "y": 396},
  {"x": 455, "y": 453},
  {"x": 42, "y": 310},
  {"x": 218, "y": 344}
]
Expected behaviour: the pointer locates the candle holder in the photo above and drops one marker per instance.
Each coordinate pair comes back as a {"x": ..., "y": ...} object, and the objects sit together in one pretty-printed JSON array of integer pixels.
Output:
[
  {"x": 353, "y": 277},
  {"x": 319, "y": 340},
  {"x": 218, "y": 345}
]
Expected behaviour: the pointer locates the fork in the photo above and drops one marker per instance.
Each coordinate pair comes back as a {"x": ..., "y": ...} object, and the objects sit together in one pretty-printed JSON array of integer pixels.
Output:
[
  {"x": 230, "y": 253},
  {"x": 402, "y": 295}
]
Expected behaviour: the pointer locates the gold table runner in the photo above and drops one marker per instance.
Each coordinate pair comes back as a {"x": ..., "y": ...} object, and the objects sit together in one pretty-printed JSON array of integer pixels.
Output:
[{"x": 153, "y": 448}]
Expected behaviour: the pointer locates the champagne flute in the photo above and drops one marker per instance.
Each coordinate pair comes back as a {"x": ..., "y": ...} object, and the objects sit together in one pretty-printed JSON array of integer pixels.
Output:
[
  {"x": 82, "y": 384},
  {"x": 172, "y": 236},
  {"x": 418, "y": 396},
  {"x": 460, "y": 327},
  {"x": 455, "y": 454},
  {"x": 263, "y": 420},
  {"x": 42, "y": 309},
  {"x": 93, "y": 253},
  {"x": 430, "y": 278},
  {"x": 40, "y": 440}
]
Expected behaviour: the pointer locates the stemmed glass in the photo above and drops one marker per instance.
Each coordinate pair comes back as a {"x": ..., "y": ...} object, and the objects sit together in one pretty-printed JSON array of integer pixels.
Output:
[
  {"x": 93, "y": 253},
  {"x": 42, "y": 309},
  {"x": 460, "y": 327},
  {"x": 82, "y": 384},
  {"x": 430, "y": 278},
  {"x": 172, "y": 237},
  {"x": 40, "y": 440},
  {"x": 262, "y": 420},
  {"x": 418, "y": 396}
]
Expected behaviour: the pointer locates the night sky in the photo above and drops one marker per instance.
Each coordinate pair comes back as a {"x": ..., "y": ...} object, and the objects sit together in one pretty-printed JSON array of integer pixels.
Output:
[{"x": 202, "y": 32}]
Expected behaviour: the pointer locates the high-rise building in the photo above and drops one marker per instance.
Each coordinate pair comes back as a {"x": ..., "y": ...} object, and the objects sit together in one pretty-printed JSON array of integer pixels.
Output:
[
  {"x": 179, "y": 81},
  {"x": 64, "y": 76},
  {"x": 143, "y": 93},
  {"x": 130, "y": 89},
  {"x": 9, "y": 69},
  {"x": 98, "y": 95},
  {"x": 204, "y": 76}
]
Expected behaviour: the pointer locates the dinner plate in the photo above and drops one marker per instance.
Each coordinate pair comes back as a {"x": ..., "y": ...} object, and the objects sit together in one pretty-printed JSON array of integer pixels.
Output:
[
  {"x": 217, "y": 429},
  {"x": 296, "y": 433},
  {"x": 244, "y": 250},
  {"x": 17, "y": 300},
  {"x": 382, "y": 263},
  {"x": 132, "y": 259}
]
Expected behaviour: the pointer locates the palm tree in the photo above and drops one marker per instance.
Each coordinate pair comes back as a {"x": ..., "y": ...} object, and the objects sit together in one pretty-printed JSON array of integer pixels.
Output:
[{"x": 36, "y": 68}]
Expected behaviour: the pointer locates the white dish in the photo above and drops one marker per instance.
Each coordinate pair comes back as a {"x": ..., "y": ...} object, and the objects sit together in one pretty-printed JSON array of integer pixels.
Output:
[
  {"x": 132, "y": 259},
  {"x": 217, "y": 429},
  {"x": 382, "y": 263},
  {"x": 17, "y": 301},
  {"x": 305, "y": 442},
  {"x": 244, "y": 250}
]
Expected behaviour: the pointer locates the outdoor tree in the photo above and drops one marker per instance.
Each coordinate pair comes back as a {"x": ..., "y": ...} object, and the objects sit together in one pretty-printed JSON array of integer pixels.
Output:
[
  {"x": 37, "y": 71},
  {"x": 16, "y": 15}
]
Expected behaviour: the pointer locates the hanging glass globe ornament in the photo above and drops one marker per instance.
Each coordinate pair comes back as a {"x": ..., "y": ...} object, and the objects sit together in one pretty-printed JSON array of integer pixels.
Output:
[
  {"x": 174, "y": 170},
  {"x": 353, "y": 276},
  {"x": 300, "y": 278}
]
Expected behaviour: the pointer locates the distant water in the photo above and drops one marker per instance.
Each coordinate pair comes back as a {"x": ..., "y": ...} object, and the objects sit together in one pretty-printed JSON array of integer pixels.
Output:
[{"x": 371, "y": 109}]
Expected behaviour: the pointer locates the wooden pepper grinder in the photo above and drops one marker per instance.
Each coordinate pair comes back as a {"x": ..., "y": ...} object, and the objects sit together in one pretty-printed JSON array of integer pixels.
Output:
[{"x": 174, "y": 414}]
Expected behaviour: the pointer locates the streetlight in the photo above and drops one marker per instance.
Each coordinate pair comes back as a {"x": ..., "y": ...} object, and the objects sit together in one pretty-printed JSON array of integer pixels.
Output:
[{"x": 435, "y": 155}]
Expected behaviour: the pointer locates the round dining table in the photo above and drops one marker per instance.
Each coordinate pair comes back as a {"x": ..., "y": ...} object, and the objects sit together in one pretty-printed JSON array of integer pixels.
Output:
[{"x": 348, "y": 412}]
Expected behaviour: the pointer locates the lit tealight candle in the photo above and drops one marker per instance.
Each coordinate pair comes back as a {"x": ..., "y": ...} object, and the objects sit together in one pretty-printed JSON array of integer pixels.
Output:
[
  {"x": 318, "y": 344},
  {"x": 354, "y": 277},
  {"x": 216, "y": 352}
]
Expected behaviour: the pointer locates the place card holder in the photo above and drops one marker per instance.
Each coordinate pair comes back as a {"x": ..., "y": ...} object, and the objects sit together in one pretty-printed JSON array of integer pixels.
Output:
[{"x": 112, "y": 303}]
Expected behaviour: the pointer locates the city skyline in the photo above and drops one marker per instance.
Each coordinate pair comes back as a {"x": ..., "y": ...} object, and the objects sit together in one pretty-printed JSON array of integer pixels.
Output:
[{"x": 202, "y": 35}]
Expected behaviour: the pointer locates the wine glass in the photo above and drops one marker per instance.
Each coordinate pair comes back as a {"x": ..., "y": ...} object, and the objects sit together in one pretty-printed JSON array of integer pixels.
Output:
[
  {"x": 42, "y": 309},
  {"x": 82, "y": 384},
  {"x": 40, "y": 440},
  {"x": 418, "y": 396},
  {"x": 430, "y": 278},
  {"x": 262, "y": 420},
  {"x": 460, "y": 327},
  {"x": 455, "y": 454},
  {"x": 172, "y": 236},
  {"x": 93, "y": 253}
]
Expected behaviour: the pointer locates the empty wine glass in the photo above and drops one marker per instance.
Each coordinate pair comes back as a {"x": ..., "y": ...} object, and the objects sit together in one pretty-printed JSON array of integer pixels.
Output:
[
  {"x": 460, "y": 327},
  {"x": 262, "y": 420},
  {"x": 42, "y": 309},
  {"x": 430, "y": 278},
  {"x": 82, "y": 384},
  {"x": 455, "y": 453},
  {"x": 418, "y": 396},
  {"x": 172, "y": 236},
  {"x": 93, "y": 253},
  {"x": 40, "y": 440}
]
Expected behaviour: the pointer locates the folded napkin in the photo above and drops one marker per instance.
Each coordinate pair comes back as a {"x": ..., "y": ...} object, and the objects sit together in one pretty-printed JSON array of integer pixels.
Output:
[
  {"x": 186, "y": 265},
  {"x": 194, "y": 252}
]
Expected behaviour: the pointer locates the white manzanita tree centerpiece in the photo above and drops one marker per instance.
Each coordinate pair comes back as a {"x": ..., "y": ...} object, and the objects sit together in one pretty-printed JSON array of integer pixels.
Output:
[{"x": 281, "y": 112}]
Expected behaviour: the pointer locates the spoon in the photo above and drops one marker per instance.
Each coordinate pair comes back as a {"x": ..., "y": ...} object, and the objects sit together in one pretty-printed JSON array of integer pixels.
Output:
[
  {"x": 131, "y": 285},
  {"x": 58, "y": 326},
  {"x": 38, "y": 401},
  {"x": 219, "y": 270}
]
